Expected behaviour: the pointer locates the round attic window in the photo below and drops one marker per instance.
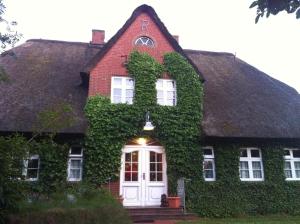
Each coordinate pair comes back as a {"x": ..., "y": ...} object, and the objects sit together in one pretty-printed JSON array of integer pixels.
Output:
[{"x": 144, "y": 41}]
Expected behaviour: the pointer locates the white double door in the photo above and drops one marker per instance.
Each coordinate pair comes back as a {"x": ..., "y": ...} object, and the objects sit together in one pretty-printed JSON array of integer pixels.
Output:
[{"x": 143, "y": 176}]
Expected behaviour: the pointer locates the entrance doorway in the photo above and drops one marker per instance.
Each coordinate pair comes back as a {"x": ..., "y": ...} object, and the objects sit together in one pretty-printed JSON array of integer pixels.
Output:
[{"x": 143, "y": 176}]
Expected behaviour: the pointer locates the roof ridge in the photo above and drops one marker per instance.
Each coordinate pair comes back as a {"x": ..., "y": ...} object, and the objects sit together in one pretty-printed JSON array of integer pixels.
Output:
[
  {"x": 64, "y": 42},
  {"x": 209, "y": 52}
]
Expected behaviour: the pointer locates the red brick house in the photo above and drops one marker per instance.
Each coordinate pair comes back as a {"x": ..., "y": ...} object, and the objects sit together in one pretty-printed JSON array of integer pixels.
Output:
[{"x": 242, "y": 105}]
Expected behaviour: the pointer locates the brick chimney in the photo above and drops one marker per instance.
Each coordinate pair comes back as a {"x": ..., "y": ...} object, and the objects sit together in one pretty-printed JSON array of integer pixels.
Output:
[
  {"x": 176, "y": 37},
  {"x": 98, "y": 37}
]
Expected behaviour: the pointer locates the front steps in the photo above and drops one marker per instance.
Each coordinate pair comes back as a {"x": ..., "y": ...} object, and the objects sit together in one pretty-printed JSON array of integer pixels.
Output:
[{"x": 150, "y": 214}]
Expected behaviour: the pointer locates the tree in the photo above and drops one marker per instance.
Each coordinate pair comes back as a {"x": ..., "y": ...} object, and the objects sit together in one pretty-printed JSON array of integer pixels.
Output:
[
  {"x": 268, "y": 7},
  {"x": 8, "y": 36}
]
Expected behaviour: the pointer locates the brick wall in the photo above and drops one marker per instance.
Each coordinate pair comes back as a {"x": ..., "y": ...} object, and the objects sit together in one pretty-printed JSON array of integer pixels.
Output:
[{"x": 112, "y": 63}]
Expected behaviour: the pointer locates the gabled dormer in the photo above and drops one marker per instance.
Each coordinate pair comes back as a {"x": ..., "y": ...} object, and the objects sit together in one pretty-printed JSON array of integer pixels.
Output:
[{"x": 144, "y": 32}]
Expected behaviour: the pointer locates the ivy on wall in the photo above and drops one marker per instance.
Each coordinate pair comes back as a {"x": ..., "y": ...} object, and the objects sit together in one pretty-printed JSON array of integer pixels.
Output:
[
  {"x": 228, "y": 196},
  {"x": 177, "y": 127}
]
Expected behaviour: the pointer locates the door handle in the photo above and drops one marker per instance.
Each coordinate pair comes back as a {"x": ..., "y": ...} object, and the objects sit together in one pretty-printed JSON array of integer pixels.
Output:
[{"x": 144, "y": 176}]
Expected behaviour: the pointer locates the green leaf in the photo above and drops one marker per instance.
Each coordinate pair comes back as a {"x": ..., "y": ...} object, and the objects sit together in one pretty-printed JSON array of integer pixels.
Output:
[
  {"x": 255, "y": 3},
  {"x": 298, "y": 14}
]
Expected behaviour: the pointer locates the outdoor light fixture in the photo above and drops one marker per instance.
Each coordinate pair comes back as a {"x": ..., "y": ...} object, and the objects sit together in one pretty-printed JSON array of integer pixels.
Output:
[
  {"x": 148, "y": 126},
  {"x": 142, "y": 141}
]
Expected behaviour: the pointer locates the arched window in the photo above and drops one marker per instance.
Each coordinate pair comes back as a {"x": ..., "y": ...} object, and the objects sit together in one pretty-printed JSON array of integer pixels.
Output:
[{"x": 144, "y": 41}]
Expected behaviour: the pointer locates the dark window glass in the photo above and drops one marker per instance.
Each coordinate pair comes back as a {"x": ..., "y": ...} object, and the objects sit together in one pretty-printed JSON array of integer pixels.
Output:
[
  {"x": 134, "y": 176},
  {"x": 255, "y": 153},
  {"x": 243, "y": 153},
  {"x": 287, "y": 152},
  {"x": 33, "y": 163},
  {"x": 208, "y": 152},
  {"x": 159, "y": 177},
  {"x": 296, "y": 153},
  {"x": 76, "y": 150}
]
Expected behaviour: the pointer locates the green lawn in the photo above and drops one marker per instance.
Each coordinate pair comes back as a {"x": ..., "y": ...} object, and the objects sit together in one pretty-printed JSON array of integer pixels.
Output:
[{"x": 274, "y": 219}]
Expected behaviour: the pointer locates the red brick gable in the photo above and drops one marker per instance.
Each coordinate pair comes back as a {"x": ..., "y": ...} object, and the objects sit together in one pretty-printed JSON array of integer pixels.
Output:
[{"x": 112, "y": 63}]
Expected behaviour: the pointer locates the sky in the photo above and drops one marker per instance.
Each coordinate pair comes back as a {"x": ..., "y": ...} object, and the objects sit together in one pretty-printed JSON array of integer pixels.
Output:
[{"x": 272, "y": 45}]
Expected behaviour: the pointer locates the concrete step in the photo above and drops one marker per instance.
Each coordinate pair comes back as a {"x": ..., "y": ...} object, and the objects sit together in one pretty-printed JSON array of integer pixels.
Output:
[{"x": 149, "y": 215}]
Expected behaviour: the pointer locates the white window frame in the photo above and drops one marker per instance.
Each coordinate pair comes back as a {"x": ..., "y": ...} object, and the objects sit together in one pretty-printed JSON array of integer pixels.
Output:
[
  {"x": 123, "y": 88},
  {"x": 290, "y": 158},
  {"x": 249, "y": 160},
  {"x": 78, "y": 157},
  {"x": 165, "y": 90},
  {"x": 210, "y": 158},
  {"x": 25, "y": 169},
  {"x": 144, "y": 41}
]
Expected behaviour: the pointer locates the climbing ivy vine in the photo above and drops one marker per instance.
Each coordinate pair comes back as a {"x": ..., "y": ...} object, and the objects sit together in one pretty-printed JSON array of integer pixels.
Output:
[{"x": 177, "y": 127}]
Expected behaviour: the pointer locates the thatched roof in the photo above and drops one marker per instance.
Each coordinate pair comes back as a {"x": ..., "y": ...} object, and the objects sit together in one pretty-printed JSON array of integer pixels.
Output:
[
  {"x": 43, "y": 74},
  {"x": 240, "y": 101}
]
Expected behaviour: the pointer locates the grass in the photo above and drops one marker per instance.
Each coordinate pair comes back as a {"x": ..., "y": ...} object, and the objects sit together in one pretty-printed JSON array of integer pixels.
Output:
[{"x": 268, "y": 219}]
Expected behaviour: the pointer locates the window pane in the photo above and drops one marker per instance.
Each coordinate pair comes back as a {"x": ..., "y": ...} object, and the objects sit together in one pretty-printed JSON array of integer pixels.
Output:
[
  {"x": 152, "y": 176},
  {"x": 297, "y": 173},
  {"x": 244, "y": 174},
  {"x": 208, "y": 165},
  {"x": 152, "y": 156},
  {"x": 129, "y": 100},
  {"x": 127, "y": 157},
  {"x": 117, "y": 99},
  {"x": 129, "y": 83},
  {"x": 244, "y": 165},
  {"x": 297, "y": 165},
  {"x": 160, "y": 94},
  {"x": 134, "y": 176},
  {"x": 256, "y": 165},
  {"x": 243, "y": 153},
  {"x": 33, "y": 163},
  {"x": 159, "y": 157},
  {"x": 296, "y": 153},
  {"x": 257, "y": 174},
  {"x": 159, "y": 177},
  {"x": 255, "y": 153},
  {"x": 288, "y": 173},
  {"x": 170, "y": 84},
  {"x": 129, "y": 93},
  {"x": 159, "y": 84},
  {"x": 117, "y": 92},
  {"x": 287, "y": 152},
  {"x": 208, "y": 152},
  {"x": 135, "y": 166},
  {"x": 287, "y": 165},
  {"x": 127, "y": 176},
  {"x": 32, "y": 173},
  {"x": 75, "y": 174},
  {"x": 76, "y": 150},
  {"x": 135, "y": 156},
  {"x": 127, "y": 167},
  {"x": 152, "y": 166},
  {"x": 159, "y": 166},
  {"x": 75, "y": 164},
  {"x": 171, "y": 95},
  {"x": 208, "y": 174},
  {"x": 117, "y": 81},
  {"x": 170, "y": 103}
]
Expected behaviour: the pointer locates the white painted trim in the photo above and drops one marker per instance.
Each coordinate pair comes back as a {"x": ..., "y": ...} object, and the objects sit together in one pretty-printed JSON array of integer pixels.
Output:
[
  {"x": 164, "y": 89},
  {"x": 123, "y": 88},
  {"x": 249, "y": 160},
  {"x": 143, "y": 185},
  {"x": 292, "y": 161}
]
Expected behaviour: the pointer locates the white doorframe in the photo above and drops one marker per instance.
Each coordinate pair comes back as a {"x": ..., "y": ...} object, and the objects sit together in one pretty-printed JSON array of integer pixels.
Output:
[{"x": 143, "y": 192}]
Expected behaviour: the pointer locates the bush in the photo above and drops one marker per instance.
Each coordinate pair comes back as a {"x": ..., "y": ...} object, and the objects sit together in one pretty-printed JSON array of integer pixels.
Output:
[
  {"x": 79, "y": 203},
  {"x": 104, "y": 215}
]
